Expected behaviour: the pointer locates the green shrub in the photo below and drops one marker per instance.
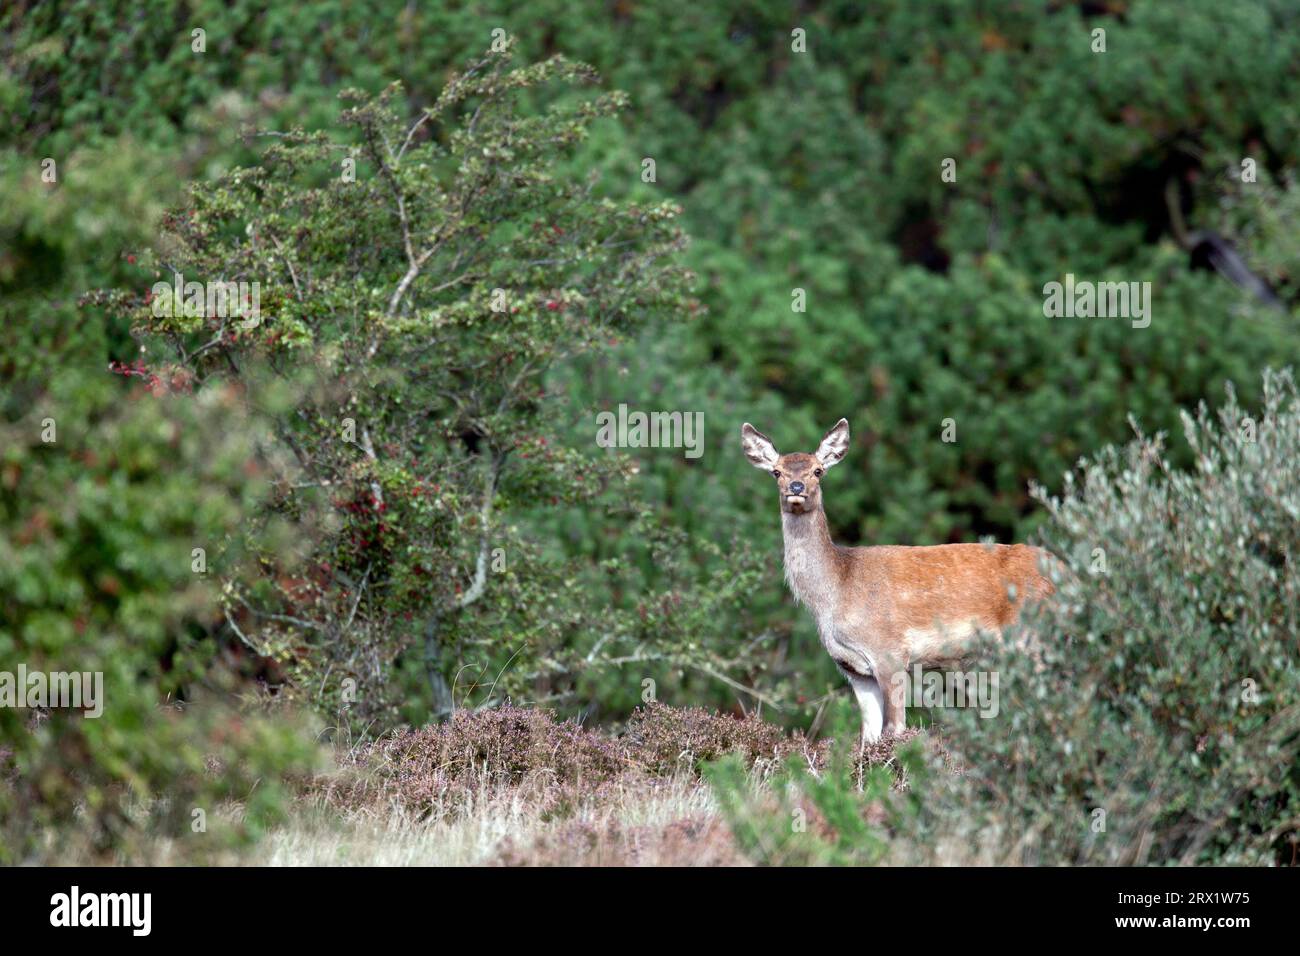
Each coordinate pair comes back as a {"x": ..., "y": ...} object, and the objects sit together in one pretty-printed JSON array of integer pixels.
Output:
[
  {"x": 1165, "y": 703},
  {"x": 104, "y": 498},
  {"x": 107, "y": 485},
  {"x": 843, "y": 809}
]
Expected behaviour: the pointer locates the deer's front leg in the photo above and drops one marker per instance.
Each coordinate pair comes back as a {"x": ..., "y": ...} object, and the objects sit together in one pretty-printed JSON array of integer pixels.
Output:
[{"x": 871, "y": 701}]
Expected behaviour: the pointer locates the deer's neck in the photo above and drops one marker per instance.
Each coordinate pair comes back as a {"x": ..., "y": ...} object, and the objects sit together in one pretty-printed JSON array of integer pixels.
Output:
[{"x": 810, "y": 559}]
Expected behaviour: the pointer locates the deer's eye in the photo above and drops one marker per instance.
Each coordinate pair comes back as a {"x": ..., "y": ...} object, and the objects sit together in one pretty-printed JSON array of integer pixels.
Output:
[
  {"x": 776, "y": 474},
  {"x": 817, "y": 472}
]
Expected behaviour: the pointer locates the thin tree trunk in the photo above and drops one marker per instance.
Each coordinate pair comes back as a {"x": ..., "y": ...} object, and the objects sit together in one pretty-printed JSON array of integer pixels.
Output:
[
  {"x": 440, "y": 700},
  {"x": 439, "y": 691}
]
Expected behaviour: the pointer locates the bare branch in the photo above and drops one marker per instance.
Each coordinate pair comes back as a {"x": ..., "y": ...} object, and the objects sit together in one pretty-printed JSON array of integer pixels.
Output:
[{"x": 368, "y": 447}]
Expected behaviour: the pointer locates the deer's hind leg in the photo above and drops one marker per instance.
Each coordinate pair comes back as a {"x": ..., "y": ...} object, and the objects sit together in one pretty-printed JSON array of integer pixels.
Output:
[{"x": 892, "y": 676}]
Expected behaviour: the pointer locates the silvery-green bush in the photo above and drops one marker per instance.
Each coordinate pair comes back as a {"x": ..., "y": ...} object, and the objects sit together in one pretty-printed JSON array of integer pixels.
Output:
[{"x": 1160, "y": 720}]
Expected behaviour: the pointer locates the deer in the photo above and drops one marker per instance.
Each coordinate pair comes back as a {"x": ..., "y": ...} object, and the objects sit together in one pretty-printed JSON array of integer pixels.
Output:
[{"x": 882, "y": 609}]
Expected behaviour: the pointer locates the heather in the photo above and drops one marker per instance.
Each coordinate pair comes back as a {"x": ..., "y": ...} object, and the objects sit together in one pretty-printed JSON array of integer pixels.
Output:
[
  {"x": 553, "y": 759},
  {"x": 587, "y": 796}
]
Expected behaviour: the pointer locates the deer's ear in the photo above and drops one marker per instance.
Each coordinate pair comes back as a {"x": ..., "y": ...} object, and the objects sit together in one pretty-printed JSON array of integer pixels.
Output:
[
  {"x": 835, "y": 445},
  {"x": 758, "y": 447}
]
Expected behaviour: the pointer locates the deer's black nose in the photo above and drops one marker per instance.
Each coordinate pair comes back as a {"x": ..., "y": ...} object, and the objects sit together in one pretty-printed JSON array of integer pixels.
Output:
[{"x": 796, "y": 487}]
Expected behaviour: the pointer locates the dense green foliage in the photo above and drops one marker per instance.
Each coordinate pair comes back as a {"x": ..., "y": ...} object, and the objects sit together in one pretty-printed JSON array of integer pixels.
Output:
[
  {"x": 819, "y": 171},
  {"x": 424, "y": 520},
  {"x": 109, "y": 514},
  {"x": 106, "y": 491}
]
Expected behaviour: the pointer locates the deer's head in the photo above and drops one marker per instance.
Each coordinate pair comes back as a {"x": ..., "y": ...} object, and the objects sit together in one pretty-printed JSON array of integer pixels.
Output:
[{"x": 798, "y": 475}]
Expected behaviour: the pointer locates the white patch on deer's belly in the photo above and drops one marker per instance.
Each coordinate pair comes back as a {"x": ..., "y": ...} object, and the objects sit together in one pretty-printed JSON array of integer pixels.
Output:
[{"x": 939, "y": 642}]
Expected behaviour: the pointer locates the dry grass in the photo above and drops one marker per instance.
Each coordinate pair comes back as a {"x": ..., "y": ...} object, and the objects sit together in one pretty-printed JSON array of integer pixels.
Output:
[{"x": 630, "y": 822}]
